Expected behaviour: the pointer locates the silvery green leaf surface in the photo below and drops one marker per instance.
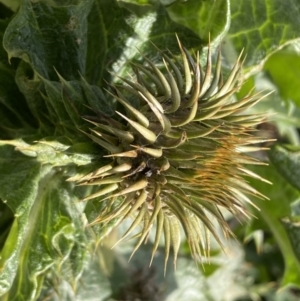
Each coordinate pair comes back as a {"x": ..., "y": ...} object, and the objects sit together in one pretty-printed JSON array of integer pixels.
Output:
[
  {"x": 46, "y": 231},
  {"x": 54, "y": 46},
  {"x": 53, "y": 152},
  {"x": 262, "y": 27}
]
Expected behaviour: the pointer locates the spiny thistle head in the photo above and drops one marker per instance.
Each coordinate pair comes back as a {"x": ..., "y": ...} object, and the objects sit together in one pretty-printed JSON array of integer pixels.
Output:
[{"x": 176, "y": 152}]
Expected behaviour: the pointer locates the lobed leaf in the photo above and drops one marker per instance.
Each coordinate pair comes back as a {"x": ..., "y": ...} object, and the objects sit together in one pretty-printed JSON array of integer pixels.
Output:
[
  {"x": 287, "y": 161},
  {"x": 47, "y": 231},
  {"x": 262, "y": 27}
]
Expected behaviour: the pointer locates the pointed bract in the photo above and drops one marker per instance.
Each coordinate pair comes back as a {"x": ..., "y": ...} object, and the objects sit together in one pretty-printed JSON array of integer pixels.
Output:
[{"x": 178, "y": 157}]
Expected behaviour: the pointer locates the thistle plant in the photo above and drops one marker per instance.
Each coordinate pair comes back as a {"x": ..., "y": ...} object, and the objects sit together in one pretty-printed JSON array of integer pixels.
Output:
[{"x": 176, "y": 151}]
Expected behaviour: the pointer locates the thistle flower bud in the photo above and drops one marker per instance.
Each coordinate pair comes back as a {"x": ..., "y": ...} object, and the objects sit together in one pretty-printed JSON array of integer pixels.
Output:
[{"x": 177, "y": 157}]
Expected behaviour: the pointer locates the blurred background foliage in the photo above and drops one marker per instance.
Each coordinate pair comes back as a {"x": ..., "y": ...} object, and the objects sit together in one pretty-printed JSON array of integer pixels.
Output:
[{"x": 54, "y": 57}]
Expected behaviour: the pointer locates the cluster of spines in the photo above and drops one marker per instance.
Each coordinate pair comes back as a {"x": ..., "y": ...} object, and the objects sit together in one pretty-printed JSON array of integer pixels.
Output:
[{"x": 178, "y": 157}]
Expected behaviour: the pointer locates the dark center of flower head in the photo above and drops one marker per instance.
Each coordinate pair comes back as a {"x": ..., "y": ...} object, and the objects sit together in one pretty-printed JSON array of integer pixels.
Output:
[{"x": 177, "y": 158}]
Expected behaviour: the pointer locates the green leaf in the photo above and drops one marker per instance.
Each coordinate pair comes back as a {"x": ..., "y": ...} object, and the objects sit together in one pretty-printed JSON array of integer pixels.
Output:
[
  {"x": 205, "y": 18},
  {"x": 50, "y": 36},
  {"x": 94, "y": 283},
  {"x": 54, "y": 152},
  {"x": 262, "y": 27},
  {"x": 292, "y": 227},
  {"x": 12, "y": 4},
  {"x": 60, "y": 106},
  {"x": 30, "y": 88},
  {"x": 287, "y": 161},
  {"x": 287, "y": 82},
  {"x": 120, "y": 30},
  {"x": 7, "y": 217},
  {"x": 47, "y": 232},
  {"x": 13, "y": 100},
  {"x": 3, "y": 54},
  {"x": 281, "y": 195},
  {"x": 113, "y": 33},
  {"x": 109, "y": 29},
  {"x": 23, "y": 174},
  {"x": 14, "y": 112}
]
